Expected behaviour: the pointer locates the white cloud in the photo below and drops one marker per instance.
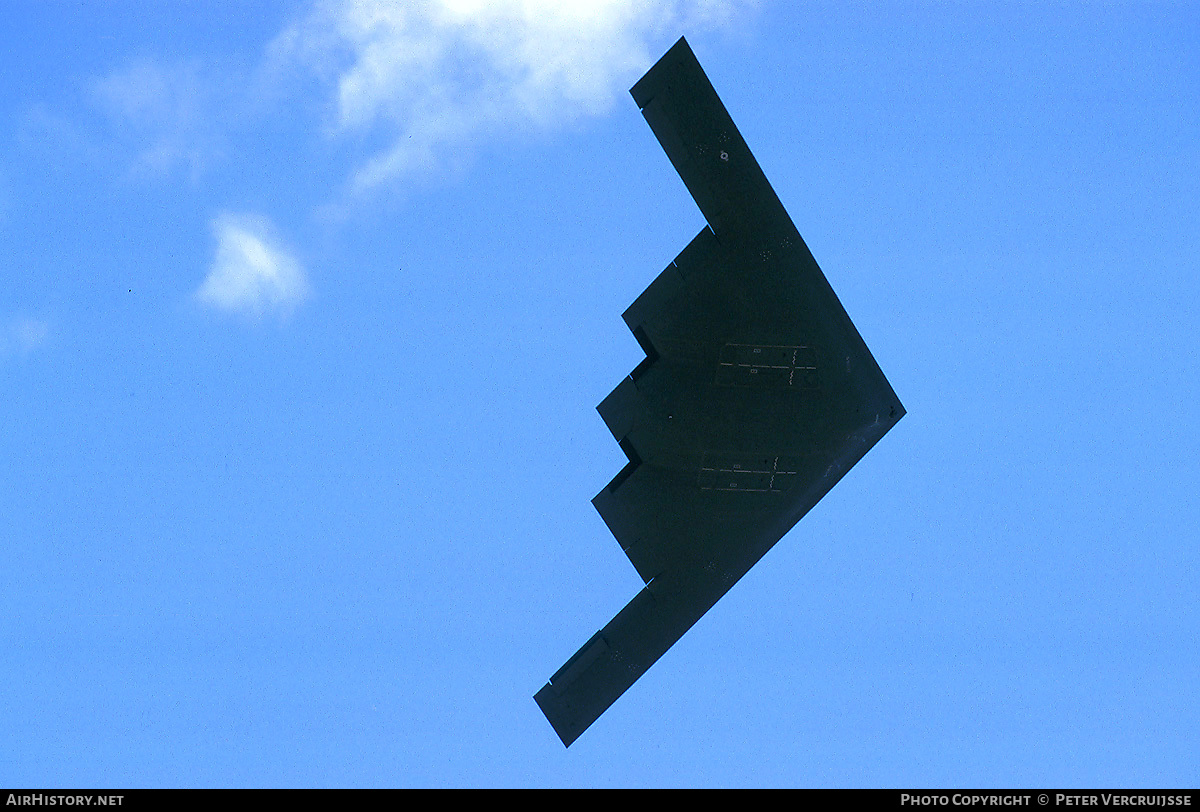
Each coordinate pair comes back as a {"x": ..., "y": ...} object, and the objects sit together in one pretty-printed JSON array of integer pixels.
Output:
[
  {"x": 21, "y": 335},
  {"x": 252, "y": 273},
  {"x": 169, "y": 115},
  {"x": 29, "y": 333},
  {"x": 438, "y": 75}
]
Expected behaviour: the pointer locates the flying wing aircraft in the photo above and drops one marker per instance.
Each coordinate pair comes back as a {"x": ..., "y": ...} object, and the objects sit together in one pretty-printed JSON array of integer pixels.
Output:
[{"x": 756, "y": 396}]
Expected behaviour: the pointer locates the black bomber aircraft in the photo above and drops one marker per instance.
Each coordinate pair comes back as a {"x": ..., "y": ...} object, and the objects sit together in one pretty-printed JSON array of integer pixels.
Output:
[{"x": 756, "y": 396}]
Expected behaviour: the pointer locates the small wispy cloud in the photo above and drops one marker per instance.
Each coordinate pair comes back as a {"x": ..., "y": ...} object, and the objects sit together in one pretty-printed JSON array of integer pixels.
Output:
[
  {"x": 438, "y": 75},
  {"x": 166, "y": 115},
  {"x": 21, "y": 335},
  {"x": 252, "y": 273},
  {"x": 29, "y": 333}
]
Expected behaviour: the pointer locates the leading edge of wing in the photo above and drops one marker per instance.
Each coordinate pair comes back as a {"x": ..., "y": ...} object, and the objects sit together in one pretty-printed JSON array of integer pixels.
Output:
[{"x": 699, "y": 136}]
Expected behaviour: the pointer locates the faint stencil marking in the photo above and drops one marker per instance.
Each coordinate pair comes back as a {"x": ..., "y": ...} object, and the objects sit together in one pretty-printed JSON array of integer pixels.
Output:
[
  {"x": 767, "y": 366},
  {"x": 746, "y": 472}
]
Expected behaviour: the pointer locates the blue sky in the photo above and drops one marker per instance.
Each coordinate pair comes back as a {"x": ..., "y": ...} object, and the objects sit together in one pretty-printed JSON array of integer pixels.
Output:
[{"x": 305, "y": 309}]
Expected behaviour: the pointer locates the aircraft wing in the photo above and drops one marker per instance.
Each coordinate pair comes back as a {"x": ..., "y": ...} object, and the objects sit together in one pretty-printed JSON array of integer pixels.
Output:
[{"x": 756, "y": 396}]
